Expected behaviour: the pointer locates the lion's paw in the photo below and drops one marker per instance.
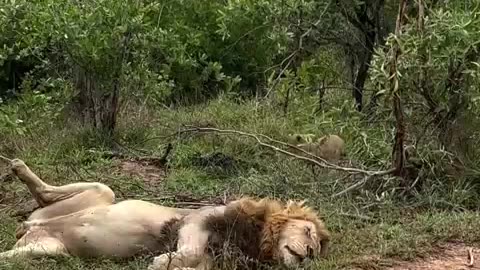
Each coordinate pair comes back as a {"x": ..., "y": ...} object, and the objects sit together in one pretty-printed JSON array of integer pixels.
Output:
[{"x": 17, "y": 164}]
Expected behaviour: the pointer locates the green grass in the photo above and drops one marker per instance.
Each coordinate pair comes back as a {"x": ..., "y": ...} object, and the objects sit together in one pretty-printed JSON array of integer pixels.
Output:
[{"x": 364, "y": 223}]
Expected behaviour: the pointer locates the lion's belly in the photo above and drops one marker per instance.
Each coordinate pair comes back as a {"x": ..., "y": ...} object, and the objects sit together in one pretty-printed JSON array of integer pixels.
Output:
[{"x": 120, "y": 230}]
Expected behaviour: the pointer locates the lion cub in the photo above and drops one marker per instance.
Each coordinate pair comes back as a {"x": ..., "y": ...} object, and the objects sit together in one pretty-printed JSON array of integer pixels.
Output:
[{"x": 329, "y": 147}]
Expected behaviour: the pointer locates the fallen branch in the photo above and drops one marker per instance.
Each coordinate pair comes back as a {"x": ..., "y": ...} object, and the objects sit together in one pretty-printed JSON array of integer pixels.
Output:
[
  {"x": 200, "y": 204},
  {"x": 322, "y": 163},
  {"x": 315, "y": 159},
  {"x": 357, "y": 185},
  {"x": 159, "y": 198},
  {"x": 157, "y": 161}
]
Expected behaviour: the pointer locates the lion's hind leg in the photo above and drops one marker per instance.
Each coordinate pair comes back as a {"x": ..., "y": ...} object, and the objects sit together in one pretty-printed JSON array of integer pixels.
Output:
[
  {"x": 46, "y": 194},
  {"x": 39, "y": 248},
  {"x": 61, "y": 200}
]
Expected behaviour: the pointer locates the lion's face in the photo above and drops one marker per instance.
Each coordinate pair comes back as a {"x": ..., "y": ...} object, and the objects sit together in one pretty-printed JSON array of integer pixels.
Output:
[{"x": 298, "y": 241}]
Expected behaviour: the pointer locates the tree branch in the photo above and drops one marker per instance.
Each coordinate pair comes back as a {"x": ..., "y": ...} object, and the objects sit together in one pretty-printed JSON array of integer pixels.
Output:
[
  {"x": 353, "y": 20},
  {"x": 6, "y": 160},
  {"x": 312, "y": 159},
  {"x": 299, "y": 48}
]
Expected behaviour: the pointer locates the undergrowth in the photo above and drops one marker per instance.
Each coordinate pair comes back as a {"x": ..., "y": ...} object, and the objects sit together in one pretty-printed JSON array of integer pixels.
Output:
[{"x": 373, "y": 220}]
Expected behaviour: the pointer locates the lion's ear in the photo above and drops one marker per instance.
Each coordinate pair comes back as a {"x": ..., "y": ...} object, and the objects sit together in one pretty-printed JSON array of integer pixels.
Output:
[
  {"x": 302, "y": 203},
  {"x": 295, "y": 207},
  {"x": 296, "y": 204},
  {"x": 291, "y": 204}
]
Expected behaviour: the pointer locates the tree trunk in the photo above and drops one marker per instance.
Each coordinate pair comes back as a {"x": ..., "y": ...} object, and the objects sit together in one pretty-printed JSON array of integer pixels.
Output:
[
  {"x": 369, "y": 26},
  {"x": 321, "y": 95},
  {"x": 99, "y": 95},
  {"x": 380, "y": 23},
  {"x": 398, "y": 153},
  {"x": 350, "y": 62},
  {"x": 287, "y": 100},
  {"x": 97, "y": 101},
  {"x": 363, "y": 69}
]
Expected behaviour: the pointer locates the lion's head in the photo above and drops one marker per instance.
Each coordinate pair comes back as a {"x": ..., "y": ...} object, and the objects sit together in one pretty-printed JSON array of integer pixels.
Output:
[{"x": 288, "y": 233}]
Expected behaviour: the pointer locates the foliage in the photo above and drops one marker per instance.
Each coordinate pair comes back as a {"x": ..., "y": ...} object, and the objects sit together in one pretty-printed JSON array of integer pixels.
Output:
[
  {"x": 197, "y": 48},
  {"x": 186, "y": 51},
  {"x": 437, "y": 54},
  {"x": 439, "y": 78},
  {"x": 207, "y": 54}
]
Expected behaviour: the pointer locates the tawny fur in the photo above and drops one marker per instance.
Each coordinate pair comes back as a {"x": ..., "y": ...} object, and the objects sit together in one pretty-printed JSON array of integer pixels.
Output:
[
  {"x": 265, "y": 218},
  {"x": 83, "y": 220},
  {"x": 329, "y": 147}
]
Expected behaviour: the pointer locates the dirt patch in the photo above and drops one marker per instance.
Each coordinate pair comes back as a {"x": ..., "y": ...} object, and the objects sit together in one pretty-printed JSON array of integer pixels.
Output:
[
  {"x": 452, "y": 256},
  {"x": 150, "y": 173}
]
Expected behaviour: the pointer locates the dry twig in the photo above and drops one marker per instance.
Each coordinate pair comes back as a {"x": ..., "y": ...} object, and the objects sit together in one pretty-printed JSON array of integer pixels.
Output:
[
  {"x": 201, "y": 204},
  {"x": 7, "y": 160},
  {"x": 157, "y": 161},
  {"x": 470, "y": 257}
]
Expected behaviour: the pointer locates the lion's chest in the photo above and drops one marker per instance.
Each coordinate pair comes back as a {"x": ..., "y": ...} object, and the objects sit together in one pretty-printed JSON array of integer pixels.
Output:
[{"x": 241, "y": 236}]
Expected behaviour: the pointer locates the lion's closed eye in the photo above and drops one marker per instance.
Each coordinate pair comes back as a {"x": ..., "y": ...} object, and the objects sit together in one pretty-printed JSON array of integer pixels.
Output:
[{"x": 308, "y": 232}]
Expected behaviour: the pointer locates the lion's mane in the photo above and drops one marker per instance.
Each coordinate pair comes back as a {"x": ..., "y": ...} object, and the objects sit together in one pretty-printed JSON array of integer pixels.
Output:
[{"x": 253, "y": 227}]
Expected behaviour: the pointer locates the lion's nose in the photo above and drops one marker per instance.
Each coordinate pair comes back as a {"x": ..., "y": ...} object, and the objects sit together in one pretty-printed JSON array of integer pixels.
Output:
[
  {"x": 300, "y": 257},
  {"x": 310, "y": 252}
]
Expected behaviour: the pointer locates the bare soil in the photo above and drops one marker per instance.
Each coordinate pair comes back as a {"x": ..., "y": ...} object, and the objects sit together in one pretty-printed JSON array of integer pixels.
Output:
[
  {"x": 451, "y": 256},
  {"x": 151, "y": 174}
]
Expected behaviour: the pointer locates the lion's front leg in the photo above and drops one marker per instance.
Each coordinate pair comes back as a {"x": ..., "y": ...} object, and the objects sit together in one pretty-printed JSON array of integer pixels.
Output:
[
  {"x": 169, "y": 261},
  {"x": 192, "y": 244},
  {"x": 178, "y": 261}
]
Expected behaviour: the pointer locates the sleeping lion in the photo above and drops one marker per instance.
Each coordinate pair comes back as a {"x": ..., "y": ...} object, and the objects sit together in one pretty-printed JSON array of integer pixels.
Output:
[{"x": 82, "y": 219}]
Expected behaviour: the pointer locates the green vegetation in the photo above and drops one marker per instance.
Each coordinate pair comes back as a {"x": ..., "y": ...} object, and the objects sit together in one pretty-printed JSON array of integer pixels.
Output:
[{"x": 81, "y": 77}]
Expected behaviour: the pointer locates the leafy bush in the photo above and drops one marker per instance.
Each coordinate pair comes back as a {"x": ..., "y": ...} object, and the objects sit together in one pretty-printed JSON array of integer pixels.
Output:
[
  {"x": 439, "y": 78},
  {"x": 197, "y": 48}
]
